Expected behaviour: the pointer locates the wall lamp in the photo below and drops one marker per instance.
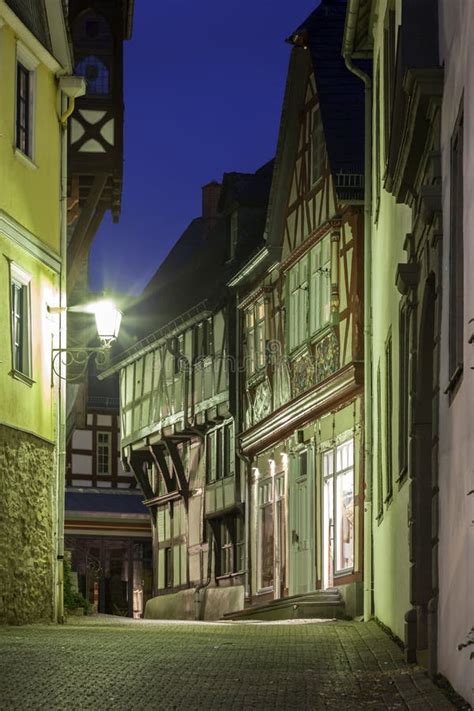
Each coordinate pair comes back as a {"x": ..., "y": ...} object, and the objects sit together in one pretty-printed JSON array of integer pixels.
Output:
[{"x": 107, "y": 318}]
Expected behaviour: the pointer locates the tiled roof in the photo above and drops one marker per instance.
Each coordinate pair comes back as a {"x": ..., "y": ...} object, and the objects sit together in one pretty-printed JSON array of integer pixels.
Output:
[
  {"x": 195, "y": 270},
  {"x": 33, "y": 15},
  {"x": 340, "y": 92},
  {"x": 98, "y": 502}
]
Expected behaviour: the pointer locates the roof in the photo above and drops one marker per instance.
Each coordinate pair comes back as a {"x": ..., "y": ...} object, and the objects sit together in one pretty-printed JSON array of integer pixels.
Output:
[
  {"x": 33, "y": 15},
  {"x": 247, "y": 188},
  {"x": 98, "y": 502},
  {"x": 341, "y": 93},
  {"x": 194, "y": 274}
]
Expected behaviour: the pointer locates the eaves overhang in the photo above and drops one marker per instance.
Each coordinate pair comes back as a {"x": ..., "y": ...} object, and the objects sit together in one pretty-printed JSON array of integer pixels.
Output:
[
  {"x": 157, "y": 338},
  {"x": 357, "y": 39},
  {"x": 8, "y": 17}
]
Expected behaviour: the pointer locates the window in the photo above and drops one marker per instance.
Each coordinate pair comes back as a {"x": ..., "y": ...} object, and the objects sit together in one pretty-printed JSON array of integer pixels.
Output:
[
  {"x": 168, "y": 560},
  {"x": 456, "y": 253},
  {"x": 178, "y": 361},
  {"x": 104, "y": 446},
  {"x": 266, "y": 533},
  {"x": 24, "y": 107},
  {"x": 403, "y": 394},
  {"x": 379, "y": 446},
  {"x": 338, "y": 493},
  {"x": 255, "y": 330},
  {"x": 23, "y": 110},
  {"x": 219, "y": 461},
  {"x": 389, "y": 73},
  {"x": 388, "y": 417},
  {"x": 203, "y": 340},
  {"x": 310, "y": 293},
  {"x": 96, "y": 74},
  {"x": 318, "y": 149},
  {"x": 20, "y": 320},
  {"x": 229, "y": 544},
  {"x": 226, "y": 567}
]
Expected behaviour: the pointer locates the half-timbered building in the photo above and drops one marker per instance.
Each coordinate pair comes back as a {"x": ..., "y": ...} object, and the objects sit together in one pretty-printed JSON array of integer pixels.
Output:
[
  {"x": 406, "y": 235},
  {"x": 177, "y": 404},
  {"x": 300, "y": 301},
  {"x": 107, "y": 527}
]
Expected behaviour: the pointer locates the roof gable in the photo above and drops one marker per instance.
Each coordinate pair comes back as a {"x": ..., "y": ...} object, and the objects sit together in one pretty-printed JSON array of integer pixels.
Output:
[{"x": 340, "y": 92}]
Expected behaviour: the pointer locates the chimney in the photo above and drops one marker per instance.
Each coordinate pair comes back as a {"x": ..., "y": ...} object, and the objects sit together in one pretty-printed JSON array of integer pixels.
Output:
[{"x": 210, "y": 200}]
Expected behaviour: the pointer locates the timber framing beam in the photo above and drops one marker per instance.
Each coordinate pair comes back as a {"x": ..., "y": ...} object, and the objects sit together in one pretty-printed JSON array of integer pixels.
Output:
[
  {"x": 86, "y": 227},
  {"x": 137, "y": 460},
  {"x": 169, "y": 477},
  {"x": 177, "y": 465}
]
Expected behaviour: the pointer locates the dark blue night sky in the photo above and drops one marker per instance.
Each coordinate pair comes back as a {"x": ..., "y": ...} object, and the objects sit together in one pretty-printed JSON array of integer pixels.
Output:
[{"x": 204, "y": 84}]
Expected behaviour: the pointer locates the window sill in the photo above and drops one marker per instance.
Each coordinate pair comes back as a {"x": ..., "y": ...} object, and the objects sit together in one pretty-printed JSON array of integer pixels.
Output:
[
  {"x": 229, "y": 576},
  {"x": 26, "y": 160},
  {"x": 264, "y": 591},
  {"x": 18, "y": 375}
]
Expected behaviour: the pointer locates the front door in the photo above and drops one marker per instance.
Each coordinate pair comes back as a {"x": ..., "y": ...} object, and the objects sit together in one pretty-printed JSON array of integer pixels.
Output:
[{"x": 301, "y": 525}]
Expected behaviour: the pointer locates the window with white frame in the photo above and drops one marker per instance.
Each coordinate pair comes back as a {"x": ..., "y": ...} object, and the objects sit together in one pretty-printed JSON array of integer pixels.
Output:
[
  {"x": 255, "y": 336},
  {"x": 310, "y": 293},
  {"x": 338, "y": 492},
  {"x": 24, "y": 105},
  {"x": 104, "y": 447},
  {"x": 20, "y": 320}
]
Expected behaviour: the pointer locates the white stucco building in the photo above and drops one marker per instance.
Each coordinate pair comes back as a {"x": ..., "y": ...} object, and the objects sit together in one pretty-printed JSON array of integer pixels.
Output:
[{"x": 456, "y": 447}]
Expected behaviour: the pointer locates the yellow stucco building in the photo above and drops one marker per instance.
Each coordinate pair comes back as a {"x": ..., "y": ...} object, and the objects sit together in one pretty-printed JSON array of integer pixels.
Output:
[{"x": 34, "y": 59}]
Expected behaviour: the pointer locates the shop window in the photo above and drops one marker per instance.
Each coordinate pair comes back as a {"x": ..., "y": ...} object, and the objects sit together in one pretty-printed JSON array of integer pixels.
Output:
[
  {"x": 338, "y": 497},
  {"x": 266, "y": 533}
]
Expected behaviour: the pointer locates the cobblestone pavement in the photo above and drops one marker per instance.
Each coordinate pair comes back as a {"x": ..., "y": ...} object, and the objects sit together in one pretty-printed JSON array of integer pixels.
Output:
[{"x": 109, "y": 663}]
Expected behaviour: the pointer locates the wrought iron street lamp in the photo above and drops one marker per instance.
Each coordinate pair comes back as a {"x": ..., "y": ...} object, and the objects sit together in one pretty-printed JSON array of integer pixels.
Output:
[{"x": 108, "y": 318}]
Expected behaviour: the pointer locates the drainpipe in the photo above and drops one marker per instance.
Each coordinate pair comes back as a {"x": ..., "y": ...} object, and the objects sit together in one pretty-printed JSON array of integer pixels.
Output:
[
  {"x": 247, "y": 468},
  {"x": 351, "y": 23},
  {"x": 70, "y": 87}
]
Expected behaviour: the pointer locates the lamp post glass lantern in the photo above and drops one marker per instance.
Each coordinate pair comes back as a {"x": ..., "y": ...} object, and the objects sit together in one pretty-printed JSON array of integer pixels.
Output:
[{"x": 107, "y": 318}]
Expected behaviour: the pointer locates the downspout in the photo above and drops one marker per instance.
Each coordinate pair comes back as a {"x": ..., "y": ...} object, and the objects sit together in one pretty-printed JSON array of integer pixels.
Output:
[
  {"x": 247, "y": 468},
  {"x": 62, "y": 387},
  {"x": 351, "y": 22},
  {"x": 69, "y": 87}
]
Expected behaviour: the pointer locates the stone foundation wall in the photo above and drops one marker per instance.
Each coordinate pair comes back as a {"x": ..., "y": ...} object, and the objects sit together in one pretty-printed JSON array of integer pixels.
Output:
[{"x": 27, "y": 477}]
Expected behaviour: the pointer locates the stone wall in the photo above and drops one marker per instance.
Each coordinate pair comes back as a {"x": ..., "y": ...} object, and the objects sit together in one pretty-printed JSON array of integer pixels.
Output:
[{"x": 27, "y": 476}]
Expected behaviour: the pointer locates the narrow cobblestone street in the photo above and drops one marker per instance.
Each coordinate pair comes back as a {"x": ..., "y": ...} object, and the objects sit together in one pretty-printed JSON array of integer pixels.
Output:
[{"x": 110, "y": 663}]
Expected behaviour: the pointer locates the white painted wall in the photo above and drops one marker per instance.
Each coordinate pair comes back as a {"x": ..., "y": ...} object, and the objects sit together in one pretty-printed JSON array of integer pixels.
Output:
[{"x": 456, "y": 468}]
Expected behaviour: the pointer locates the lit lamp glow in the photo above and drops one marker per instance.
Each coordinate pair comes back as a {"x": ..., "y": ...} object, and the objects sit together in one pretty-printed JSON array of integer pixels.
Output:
[{"x": 108, "y": 319}]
